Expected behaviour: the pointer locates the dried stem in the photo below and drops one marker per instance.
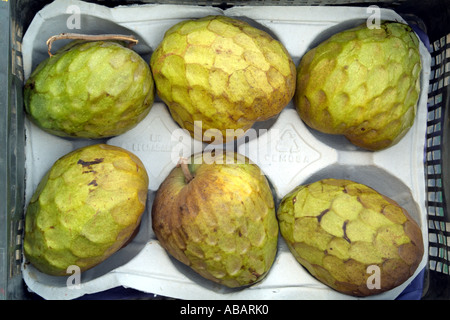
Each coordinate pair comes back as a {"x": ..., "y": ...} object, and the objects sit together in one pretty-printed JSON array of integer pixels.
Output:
[
  {"x": 76, "y": 36},
  {"x": 185, "y": 168}
]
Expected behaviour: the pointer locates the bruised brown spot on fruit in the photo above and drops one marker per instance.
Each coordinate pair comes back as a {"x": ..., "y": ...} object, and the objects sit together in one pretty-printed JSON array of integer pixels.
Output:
[
  {"x": 344, "y": 229},
  {"x": 320, "y": 216},
  {"x": 90, "y": 163},
  {"x": 30, "y": 85},
  {"x": 93, "y": 183},
  {"x": 321, "y": 97},
  {"x": 253, "y": 272}
]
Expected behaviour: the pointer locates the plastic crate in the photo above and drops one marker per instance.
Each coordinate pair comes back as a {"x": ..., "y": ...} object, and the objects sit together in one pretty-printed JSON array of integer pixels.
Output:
[{"x": 429, "y": 18}]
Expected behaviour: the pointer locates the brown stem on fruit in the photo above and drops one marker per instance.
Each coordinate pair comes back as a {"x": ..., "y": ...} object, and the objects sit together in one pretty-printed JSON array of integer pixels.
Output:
[
  {"x": 185, "y": 168},
  {"x": 76, "y": 36}
]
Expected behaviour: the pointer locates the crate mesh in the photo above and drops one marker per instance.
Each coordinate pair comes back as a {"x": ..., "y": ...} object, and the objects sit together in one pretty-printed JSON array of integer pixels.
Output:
[{"x": 438, "y": 223}]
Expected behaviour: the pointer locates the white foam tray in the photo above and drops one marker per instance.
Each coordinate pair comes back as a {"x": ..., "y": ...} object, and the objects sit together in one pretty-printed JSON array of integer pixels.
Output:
[{"x": 286, "y": 150}]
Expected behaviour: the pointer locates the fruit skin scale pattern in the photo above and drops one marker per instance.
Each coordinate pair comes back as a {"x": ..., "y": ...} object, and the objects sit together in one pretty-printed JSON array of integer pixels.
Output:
[
  {"x": 223, "y": 72},
  {"x": 338, "y": 228},
  {"x": 87, "y": 207},
  {"x": 222, "y": 224},
  {"x": 90, "y": 90},
  {"x": 362, "y": 83}
]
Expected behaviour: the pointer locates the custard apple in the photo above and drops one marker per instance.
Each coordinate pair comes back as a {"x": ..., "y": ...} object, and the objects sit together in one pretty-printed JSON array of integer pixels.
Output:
[
  {"x": 219, "y": 219},
  {"x": 350, "y": 237},
  {"x": 85, "y": 208},
  {"x": 223, "y": 73},
  {"x": 362, "y": 83},
  {"x": 90, "y": 89}
]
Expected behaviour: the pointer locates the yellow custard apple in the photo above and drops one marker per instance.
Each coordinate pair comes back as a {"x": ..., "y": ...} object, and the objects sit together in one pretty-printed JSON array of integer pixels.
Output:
[{"x": 217, "y": 73}]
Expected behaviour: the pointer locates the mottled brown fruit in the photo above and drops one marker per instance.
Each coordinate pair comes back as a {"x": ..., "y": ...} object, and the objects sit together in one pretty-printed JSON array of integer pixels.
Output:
[
  {"x": 219, "y": 219},
  {"x": 340, "y": 230}
]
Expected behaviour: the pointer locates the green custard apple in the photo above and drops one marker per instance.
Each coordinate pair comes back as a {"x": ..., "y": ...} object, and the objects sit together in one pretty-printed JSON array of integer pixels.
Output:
[
  {"x": 90, "y": 89},
  {"x": 86, "y": 207},
  {"x": 362, "y": 83}
]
